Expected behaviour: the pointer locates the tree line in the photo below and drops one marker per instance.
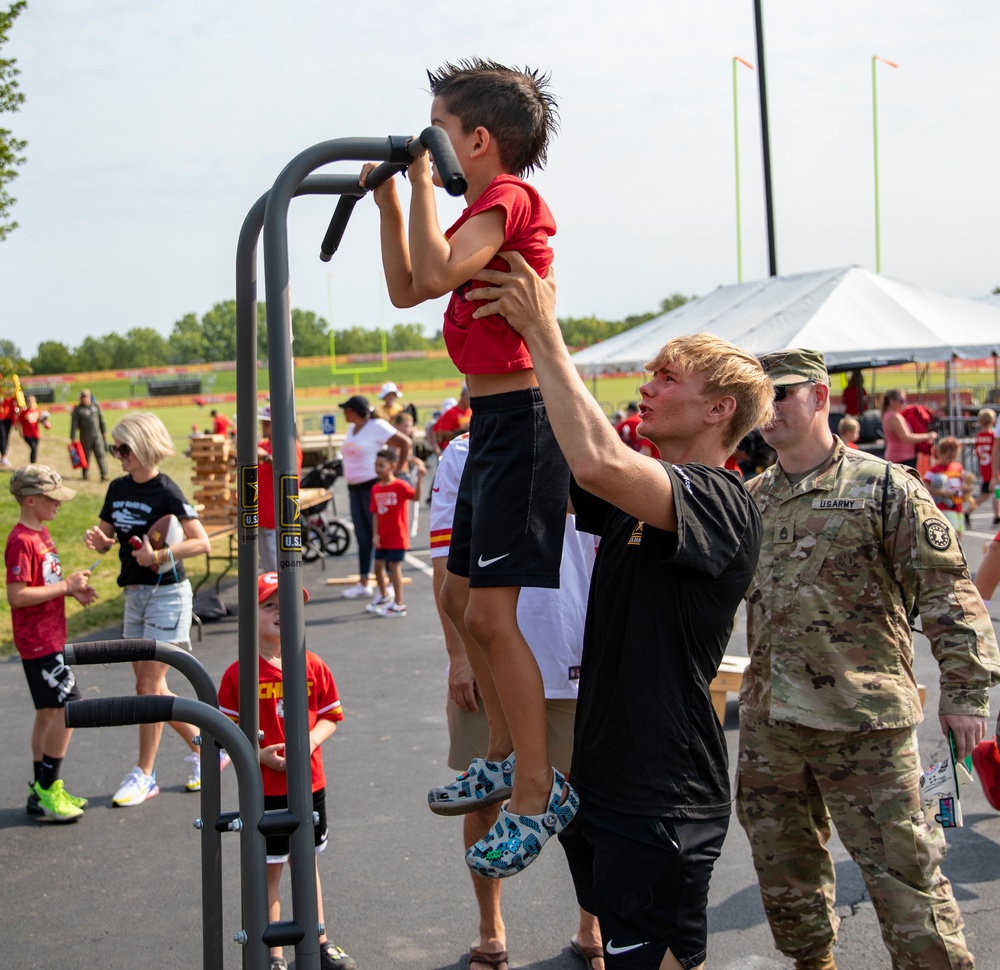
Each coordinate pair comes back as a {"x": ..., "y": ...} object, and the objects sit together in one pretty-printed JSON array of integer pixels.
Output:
[{"x": 212, "y": 339}]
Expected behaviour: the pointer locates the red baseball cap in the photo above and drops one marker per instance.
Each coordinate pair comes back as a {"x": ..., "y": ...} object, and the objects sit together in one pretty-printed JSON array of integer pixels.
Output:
[{"x": 268, "y": 584}]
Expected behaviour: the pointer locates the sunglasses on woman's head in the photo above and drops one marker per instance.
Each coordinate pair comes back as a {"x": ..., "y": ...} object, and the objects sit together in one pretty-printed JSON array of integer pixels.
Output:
[
  {"x": 781, "y": 390},
  {"x": 119, "y": 451}
]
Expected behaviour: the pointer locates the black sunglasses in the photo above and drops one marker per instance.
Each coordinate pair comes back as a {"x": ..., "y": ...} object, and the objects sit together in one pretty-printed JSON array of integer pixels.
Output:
[
  {"x": 781, "y": 390},
  {"x": 119, "y": 451}
]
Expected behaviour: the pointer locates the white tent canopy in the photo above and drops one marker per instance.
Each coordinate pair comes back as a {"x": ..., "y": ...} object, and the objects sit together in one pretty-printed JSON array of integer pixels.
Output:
[{"x": 857, "y": 318}]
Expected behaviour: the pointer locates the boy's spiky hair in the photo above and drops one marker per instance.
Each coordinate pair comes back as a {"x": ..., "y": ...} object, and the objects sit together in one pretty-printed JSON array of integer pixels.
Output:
[{"x": 514, "y": 105}]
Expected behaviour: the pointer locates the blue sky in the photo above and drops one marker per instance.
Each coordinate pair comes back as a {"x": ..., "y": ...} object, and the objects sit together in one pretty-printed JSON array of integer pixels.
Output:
[{"x": 154, "y": 126}]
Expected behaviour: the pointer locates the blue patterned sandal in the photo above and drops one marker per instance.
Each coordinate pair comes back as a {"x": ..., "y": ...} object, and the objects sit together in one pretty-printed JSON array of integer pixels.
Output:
[
  {"x": 485, "y": 783},
  {"x": 514, "y": 842}
]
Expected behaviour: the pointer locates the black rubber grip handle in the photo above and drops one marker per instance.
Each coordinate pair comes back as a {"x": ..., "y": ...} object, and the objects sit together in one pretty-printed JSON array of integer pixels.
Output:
[
  {"x": 449, "y": 171},
  {"x": 338, "y": 223},
  {"x": 116, "y": 711},
  {"x": 109, "y": 651}
]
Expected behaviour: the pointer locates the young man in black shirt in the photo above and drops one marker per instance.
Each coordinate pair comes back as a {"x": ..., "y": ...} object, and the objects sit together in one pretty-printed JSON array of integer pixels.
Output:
[{"x": 679, "y": 542}]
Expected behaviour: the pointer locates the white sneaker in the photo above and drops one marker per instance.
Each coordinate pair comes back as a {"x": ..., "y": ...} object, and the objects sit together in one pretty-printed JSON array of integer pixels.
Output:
[
  {"x": 379, "y": 601},
  {"x": 392, "y": 610},
  {"x": 194, "y": 772},
  {"x": 357, "y": 591},
  {"x": 135, "y": 788}
]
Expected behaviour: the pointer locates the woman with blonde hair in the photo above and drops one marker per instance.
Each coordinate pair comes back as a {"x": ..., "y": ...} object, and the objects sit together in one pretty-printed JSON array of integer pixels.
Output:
[{"x": 157, "y": 592}]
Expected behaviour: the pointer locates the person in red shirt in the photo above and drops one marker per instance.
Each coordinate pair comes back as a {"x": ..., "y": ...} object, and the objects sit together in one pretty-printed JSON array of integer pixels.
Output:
[
  {"x": 31, "y": 421},
  {"x": 499, "y": 121},
  {"x": 37, "y": 591},
  {"x": 983, "y": 447},
  {"x": 221, "y": 424},
  {"x": 454, "y": 421},
  {"x": 267, "y": 545},
  {"x": 391, "y": 534},
  {"x": 325, "y": 713},
  {"x": 945, "y": 481}
]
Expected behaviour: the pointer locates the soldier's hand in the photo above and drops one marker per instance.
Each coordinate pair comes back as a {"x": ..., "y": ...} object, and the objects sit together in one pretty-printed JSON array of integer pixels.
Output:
[{"x": 967, "y": 731}]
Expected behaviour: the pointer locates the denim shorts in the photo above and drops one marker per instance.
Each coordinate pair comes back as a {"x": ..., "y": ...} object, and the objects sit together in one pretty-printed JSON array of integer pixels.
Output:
[{"x": 159, "y": 613}]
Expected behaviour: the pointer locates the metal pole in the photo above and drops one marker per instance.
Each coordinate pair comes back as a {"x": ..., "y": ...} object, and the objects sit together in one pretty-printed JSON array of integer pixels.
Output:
[
  {"x": 765, "y": 138},
  {"x": 736, "y": 153},
  {"x": 289, "y": 537},
  {"x": 878, "y": 245}
]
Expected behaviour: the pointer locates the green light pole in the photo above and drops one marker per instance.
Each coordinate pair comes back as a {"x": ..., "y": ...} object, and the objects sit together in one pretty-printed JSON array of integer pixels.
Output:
[
  {"x": 736, "y": 149},
  {"x": 878, "y": 248}
]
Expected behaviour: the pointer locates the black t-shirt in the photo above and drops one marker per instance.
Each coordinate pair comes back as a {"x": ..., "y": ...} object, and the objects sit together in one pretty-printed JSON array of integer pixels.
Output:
[
  {"x": 132, "y": 508},
  {"x": 661, "y": 610}
]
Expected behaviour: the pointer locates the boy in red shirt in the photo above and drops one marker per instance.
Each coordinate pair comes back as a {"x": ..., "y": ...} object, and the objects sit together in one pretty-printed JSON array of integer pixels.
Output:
[
  {"x": 31, "y": 421},
  {"x": 945, "y": 481},
  {"x": 36, "y": 591},
  {"x": 511, "y": 507},
  {"x": 324, "y": 713},
  {"x": 983, "y": 446},
  {"x": 391, "y": 534}
]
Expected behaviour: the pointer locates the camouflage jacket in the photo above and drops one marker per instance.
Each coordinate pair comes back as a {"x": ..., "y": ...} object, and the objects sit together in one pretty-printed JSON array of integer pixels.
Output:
[{"x": 848, "y": 556}]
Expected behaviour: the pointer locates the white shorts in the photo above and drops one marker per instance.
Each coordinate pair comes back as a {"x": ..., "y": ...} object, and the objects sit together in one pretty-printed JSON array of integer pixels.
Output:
[{"x": 159, "y": 613}]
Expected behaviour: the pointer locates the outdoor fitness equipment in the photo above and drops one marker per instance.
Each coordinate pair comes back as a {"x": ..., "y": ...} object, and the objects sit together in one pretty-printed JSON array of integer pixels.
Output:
[{"x": 271, "y": 212}]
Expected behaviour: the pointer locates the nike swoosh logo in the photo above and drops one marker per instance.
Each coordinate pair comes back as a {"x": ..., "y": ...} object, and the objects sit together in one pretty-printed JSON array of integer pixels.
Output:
[
  {"x": 612, "y": 949},
  {"x": 489, "y": 562}
]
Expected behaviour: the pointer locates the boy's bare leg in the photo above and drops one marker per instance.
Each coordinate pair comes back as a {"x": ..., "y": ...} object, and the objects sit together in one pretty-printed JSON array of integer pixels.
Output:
[
  {"x": 273, "y": 899},
  {"x": 491, "y": 619},
  {"x": 49, "y": 735},
  {"x": 454, "y": 602},
  {"x": 492, "y": 931},
  {"x": 396, "y": 572},
  {"x": 589, "y": 934},
  {"x": 380, "y": 576}
]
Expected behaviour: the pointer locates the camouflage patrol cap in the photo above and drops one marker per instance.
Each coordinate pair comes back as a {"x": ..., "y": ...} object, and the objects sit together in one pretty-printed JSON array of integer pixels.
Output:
[
  {"x": 39, "y": 480},
  {"x": 795, "y": 365}
]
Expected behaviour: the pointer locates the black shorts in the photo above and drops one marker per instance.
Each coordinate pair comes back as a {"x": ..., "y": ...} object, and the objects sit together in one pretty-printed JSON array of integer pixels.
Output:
[
  {"x": 390, "y": 555},
  {"x": 510, "y": 513},
  {"x": 50, "y": 681},
  {"x": 646, "y": 879},
  {"x": 278, "y": 846}
]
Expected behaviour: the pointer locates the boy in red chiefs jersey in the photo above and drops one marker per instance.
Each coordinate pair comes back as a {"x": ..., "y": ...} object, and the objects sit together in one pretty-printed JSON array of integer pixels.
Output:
[
  {"x": 324, "y": 713},
  {"x": 37, "y": 591},
  {"x": 391, "y": 535},
  {"x": 511, "y": 507}
]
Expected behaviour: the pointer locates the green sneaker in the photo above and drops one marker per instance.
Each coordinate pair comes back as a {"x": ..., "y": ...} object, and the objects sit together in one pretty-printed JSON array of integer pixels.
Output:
[
  {"x": 55, "y": 805},
  {"x": 73, "y": 799}
]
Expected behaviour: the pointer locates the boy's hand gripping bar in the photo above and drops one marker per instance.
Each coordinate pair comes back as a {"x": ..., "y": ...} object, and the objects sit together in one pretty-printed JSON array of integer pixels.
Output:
[{"x": 402, "y": 151}]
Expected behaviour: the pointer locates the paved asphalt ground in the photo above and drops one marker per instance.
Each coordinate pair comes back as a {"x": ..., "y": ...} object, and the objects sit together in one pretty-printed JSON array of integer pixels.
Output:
[{"x": 120, "y": 890}]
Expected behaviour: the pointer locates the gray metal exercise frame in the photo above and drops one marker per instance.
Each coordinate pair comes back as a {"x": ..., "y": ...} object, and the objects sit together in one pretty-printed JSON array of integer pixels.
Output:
[
  {"x": 122, "y": 651},
  {"x": 271, "y": 212}
]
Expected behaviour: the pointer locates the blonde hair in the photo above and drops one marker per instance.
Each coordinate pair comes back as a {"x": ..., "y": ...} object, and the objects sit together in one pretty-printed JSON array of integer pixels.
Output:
[
  {"x": 947, "y": 445},
  {"x": 146, "y": 436},
  {"x": 987, "y": 418},
  {"x": 846, "y": 425},
  {"x": 728, "y": 370}
]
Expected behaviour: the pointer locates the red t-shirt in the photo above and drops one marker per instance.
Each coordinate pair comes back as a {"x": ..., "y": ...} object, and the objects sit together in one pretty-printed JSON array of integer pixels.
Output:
[
  {"x": 454, "y": 419},
  {"x": 31, "y": 558},
  {"x": 221, "y": 424},
  {"x": 388, "y": 502},
  {"x": 495, "y": 347},
  {"x": 265, "y": 485},
  {"x": 30, "y": 422},
  {"x": 323, "y": 702},
  {"x": 983, "y": 447}
]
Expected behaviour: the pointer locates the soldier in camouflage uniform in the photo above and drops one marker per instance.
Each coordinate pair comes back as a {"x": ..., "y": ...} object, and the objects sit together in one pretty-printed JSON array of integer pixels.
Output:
[{"x": 852, "y": 548}]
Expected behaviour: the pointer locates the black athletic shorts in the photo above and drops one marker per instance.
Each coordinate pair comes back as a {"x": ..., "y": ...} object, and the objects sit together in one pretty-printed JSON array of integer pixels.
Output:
[
  {"x": 278, "y": 846},
  {"x": 50, "y": 681},
  {"x": 510, "y": 513},
  {"x": 646, "y": 879}
]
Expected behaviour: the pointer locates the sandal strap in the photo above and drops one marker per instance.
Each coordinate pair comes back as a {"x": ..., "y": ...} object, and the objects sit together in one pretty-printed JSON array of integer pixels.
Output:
[{"x": 490, "y": 959}]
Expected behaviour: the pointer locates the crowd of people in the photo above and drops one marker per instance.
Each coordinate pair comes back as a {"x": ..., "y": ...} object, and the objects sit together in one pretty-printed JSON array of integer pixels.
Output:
[{"x": 579, "y": 702}]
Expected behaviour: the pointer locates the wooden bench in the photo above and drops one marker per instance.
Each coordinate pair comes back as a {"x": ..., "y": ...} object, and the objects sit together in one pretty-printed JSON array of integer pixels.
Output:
[{"x": 729, "y": 679}]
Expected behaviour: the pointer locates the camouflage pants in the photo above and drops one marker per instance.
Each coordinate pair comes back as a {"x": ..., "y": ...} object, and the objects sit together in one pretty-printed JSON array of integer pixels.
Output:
[{"x": 792, "y": 783}]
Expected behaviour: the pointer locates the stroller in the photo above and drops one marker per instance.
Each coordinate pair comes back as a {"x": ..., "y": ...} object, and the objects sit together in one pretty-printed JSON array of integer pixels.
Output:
[{"x": 323, "y": 534}]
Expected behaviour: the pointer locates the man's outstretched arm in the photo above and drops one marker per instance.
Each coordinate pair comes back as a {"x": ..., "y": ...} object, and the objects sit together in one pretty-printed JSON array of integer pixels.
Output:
[{"x": 599, "y": 460}]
